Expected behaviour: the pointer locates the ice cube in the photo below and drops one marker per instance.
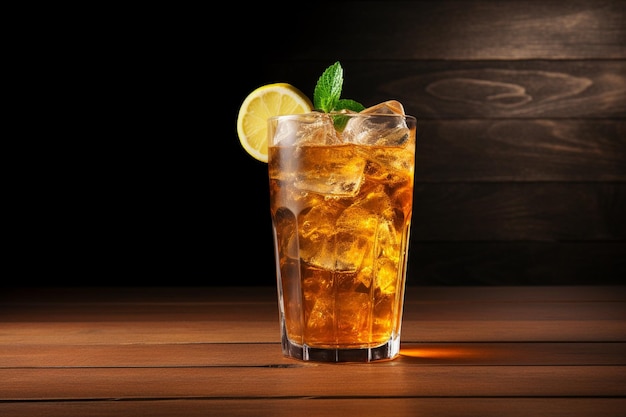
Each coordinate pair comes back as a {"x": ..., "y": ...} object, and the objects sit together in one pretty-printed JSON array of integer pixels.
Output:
[
  {"x": 309, "y": 129},
  {"x": 386, "y": 107},
  {"x": 317, "y": 235},
  {"x": 385, "y": 127},
  {"x": 332, "y": 172},
  {"x": 355, "y": 234}
]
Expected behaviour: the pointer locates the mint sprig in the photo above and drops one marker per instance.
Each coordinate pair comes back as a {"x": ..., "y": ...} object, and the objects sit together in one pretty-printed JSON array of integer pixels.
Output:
[{"x": 327, "y": 93}]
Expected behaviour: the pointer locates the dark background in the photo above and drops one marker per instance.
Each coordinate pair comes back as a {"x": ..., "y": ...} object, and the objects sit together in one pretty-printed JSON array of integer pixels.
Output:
[{"x": 521, "y": 157}]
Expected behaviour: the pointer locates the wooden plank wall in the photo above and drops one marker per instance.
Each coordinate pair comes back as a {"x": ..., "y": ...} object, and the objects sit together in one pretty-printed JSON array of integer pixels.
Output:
[{"x": 521, "y": 165}]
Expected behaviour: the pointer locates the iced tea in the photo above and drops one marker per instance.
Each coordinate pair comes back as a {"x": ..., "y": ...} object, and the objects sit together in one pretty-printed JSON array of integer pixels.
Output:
[{"x": 341, "y": 190}]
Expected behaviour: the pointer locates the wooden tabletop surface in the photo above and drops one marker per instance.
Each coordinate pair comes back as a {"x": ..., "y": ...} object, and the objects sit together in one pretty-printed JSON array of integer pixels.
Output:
[{"x": 466, "y": 351}]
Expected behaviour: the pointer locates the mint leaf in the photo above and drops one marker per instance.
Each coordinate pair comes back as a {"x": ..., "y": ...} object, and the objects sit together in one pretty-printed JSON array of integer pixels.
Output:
[
  {"x": 326, "y": 96},
  {"x": 328, "y": 88}
]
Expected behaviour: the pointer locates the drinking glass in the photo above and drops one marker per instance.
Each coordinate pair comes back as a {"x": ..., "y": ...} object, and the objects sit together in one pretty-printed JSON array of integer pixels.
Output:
[{"x": 341, "y": 194}]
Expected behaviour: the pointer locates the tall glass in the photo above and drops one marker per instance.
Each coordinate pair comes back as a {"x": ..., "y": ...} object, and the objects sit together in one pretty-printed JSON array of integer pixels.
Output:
[{"x": 341, "y": 192}]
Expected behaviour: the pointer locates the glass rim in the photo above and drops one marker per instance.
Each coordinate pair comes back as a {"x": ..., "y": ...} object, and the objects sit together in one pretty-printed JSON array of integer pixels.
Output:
[{"x": 301, "y": 115}]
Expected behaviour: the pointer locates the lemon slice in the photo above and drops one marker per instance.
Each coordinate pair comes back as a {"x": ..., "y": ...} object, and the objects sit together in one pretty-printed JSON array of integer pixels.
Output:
[{"x": 261, "y": 104}]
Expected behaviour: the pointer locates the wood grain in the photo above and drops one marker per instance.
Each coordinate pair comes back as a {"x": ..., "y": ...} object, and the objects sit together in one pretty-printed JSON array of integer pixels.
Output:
[
  {"x": 480, "y": 30},
  {"x": 524, "y": 263},
  {"x": 529, "y": 150},
  {"x": 355, "y": 381},
  {"x": 481, "y": 89},
  {"x": 284, "y": 407},
  {"x": 519, "y": 211},
  {"x": 552, "y": 350},
  {"x": 115, "y": 353}
]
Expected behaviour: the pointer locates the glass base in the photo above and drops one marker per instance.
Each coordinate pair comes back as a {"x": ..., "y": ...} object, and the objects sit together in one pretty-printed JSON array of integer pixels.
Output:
[{"x": 384, "y": 352}]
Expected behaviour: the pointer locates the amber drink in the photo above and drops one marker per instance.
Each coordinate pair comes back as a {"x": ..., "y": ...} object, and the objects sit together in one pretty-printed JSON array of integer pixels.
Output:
[{"x": 341, "y": 192}]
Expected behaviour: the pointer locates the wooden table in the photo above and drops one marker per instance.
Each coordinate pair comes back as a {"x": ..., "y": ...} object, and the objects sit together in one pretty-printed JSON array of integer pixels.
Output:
[{"x": 466, "y": 351}]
